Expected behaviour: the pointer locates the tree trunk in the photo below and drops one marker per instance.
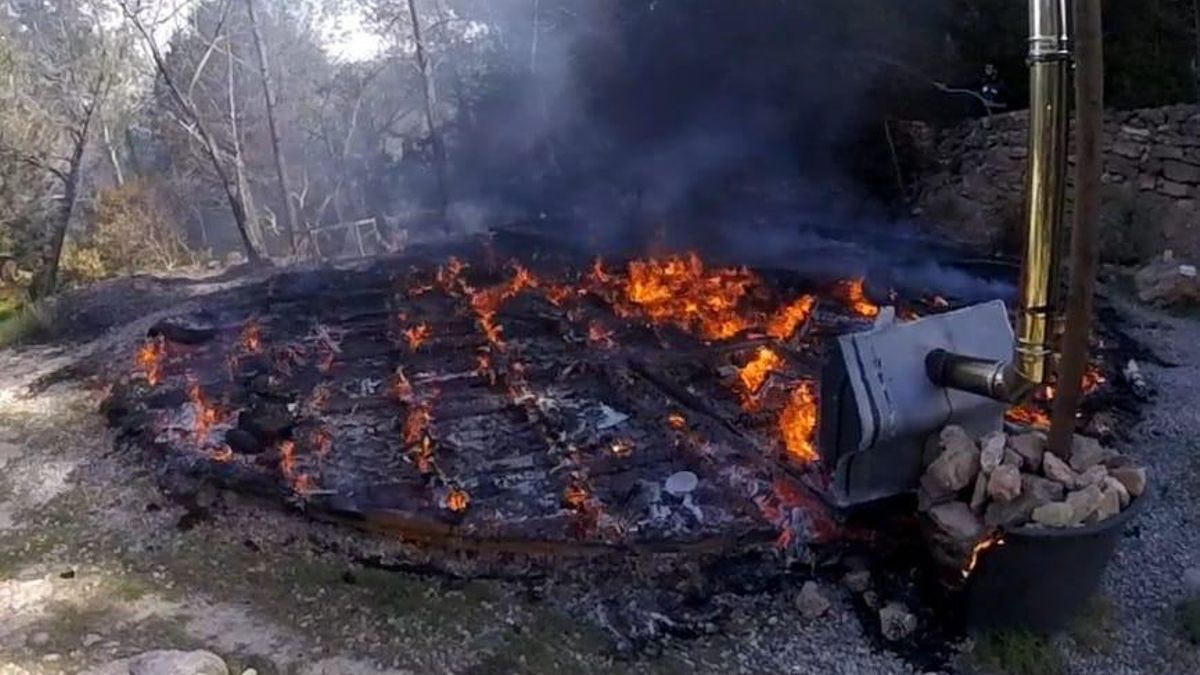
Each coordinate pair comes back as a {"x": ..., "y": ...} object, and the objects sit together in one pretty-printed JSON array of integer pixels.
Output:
[
  {"x": 232, "y": 194},
  {"x": 1089, "y": 95},
  {"x": 435, "y": 134},
  {"x": 291, "y": 220},
  {"x": 239, "y": 160},
  {"x": 118, "y": 174},
  {"x": 49, "y": 277}
]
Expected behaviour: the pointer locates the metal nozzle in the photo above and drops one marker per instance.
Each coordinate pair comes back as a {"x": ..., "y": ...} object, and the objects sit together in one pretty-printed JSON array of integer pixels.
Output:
[{"x": 1040, "y": 287}]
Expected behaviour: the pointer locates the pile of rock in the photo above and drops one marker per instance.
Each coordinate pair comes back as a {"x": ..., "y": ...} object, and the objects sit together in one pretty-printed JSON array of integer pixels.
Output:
[
  {"x": 1168, "y": 282},
  {"x": 973, "y": 488}
]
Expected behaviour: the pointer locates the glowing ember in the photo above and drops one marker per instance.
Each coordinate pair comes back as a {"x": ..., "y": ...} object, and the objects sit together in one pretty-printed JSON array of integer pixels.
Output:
[
  {"x": 755, "y": 373},
  {"x": 458, "y": 500},
  {"x": 483, "y": 367},
  {"x": 149, "y": 360},
  {"x": 418, "y": 335},
  {"x": 600, "y": 336},
  {"x": 223, "y": 454},
  {"x": 402, "y": 389},
  {"x": 797, "y": 423},
  {"x": 677, "y": 421},
  {"x": 287, "y": 459},
  {"x": 576, "y": 495},
  {"x": 251, "y": 338},
  {"x": 417, "y": 423},
  {"x": 558, "y": 294},
  {"x": 449, "y": 276},
  {"x": 1028, "y": 415},
  {"x": 206, "y": 415},
  {"x": 853, "y": 293},
  {"x": 680, "y": 290},
  {"x": 322, "y": 441},
  {"x": 423, "y": 456},
  {"x": 978, "y": 551},
  {"x": 783, "y": 325},
  {"x": 622, "y": 448}
]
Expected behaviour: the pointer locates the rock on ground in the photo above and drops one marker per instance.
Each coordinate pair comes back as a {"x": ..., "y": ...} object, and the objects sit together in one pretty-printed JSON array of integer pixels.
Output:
[
  {"x": 896, "y": 622},
  {"x": 811, "y": 603},
  {"x": 166, "y": 662}
]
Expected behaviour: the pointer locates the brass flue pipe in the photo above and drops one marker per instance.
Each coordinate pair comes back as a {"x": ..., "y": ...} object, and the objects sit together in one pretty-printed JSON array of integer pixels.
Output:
[{"x": 1038, "y": 319}]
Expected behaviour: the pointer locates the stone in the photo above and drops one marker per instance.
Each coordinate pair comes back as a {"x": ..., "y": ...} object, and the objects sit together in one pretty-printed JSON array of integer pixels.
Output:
[
  {"x": 1093, "y": 476},
  {"x": 896, "y": 622},
  {"x": 1127, "y": 150},
  {"x": 165, "y": 662},
  {"x": 858, "y": 581},
  {"x": 1163, "y": 283},
  {"x": 1057, "y": 470},
  {"x": 1117, "y": 486},
  {"x": 91, "y": 639},
  {"x": 956, "y": 467},
  {"x": 811, "y": 603},
  {"x": 871, "y": 599},
  {"x": 1004, "y": 485},
  {"x": 1087, "y": 452},
  {"x": 1109, "y": 506},
  {"x": 1133, "y": 478},
  {"x": 1030, "y": 446},
  {"x": 956, "y": 520},
  {"x": 1011, "y": 458},
  {"x": 39, "y": 639},
  {"x": 681, "y": 483},
  {"x": 1172, "y": 189},
  {"x": 991, "y": 452},
  {"x": 1084, "y": 503},
  {"x": 1181, "y": 172},
  {"x": 979, "y": 496},
  {"x": 1191, "y": 582},
  {"x": 1054, "y": 514},
  {"x": 243, "y": 442},
  {"x": 1035, "y": 491}
]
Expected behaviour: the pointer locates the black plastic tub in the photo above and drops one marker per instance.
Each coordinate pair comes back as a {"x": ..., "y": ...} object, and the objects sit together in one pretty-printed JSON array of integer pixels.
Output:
[{"x": 1041, "y": 578}]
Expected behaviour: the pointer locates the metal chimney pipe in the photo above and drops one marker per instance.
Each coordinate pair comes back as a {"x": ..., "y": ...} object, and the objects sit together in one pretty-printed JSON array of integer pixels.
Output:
[{"x": 1038, "y": 320}]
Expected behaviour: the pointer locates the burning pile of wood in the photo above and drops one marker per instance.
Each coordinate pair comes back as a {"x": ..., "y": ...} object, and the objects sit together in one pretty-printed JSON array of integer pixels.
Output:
[{"x": 975, "y": 489}]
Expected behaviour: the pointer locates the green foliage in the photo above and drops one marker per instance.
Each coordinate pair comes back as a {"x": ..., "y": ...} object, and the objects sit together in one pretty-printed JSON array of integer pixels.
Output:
[
  {"x": 1017, "y": 653},
  {"x": 29, "y": 322},
  {"x": 1095, "y": 628},
  {"x": 133, "y": 232}
]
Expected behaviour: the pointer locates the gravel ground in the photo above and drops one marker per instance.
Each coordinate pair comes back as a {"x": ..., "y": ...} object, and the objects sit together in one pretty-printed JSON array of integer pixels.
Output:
[
  {"x": 1145, "y": 581},
  {"x": 94, "y": 567}
]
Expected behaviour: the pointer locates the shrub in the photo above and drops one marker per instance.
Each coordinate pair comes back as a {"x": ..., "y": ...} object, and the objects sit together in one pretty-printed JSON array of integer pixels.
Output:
[{"x": 133, "y": 232}]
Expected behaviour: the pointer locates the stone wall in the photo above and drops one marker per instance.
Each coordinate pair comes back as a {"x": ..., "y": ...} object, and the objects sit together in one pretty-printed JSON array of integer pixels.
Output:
[{"x": 969, "y": 181}]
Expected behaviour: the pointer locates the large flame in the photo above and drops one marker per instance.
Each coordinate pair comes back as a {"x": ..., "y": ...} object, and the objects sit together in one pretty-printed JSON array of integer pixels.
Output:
[
  {"x": 206, "y": 415},
  {"x": 798, "y": 422},
  {"x": 853, "y": 293},
  {"x": 754, "y": 375},
  {"x": 977, "y": 552},
  {"x": 680, "y": 290},
  {"x": 783, "y": 325}
]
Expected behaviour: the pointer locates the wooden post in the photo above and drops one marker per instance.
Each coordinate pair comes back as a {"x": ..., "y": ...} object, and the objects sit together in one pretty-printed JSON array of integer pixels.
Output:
[{"x": 1089, "y": 94}]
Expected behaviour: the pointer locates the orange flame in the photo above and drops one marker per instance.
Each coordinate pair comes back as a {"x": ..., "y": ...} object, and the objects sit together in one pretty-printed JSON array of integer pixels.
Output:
[
  {"x": 458, "y": 500},
  {"x": 682, "y": 291},
  {"x": 783, "y": 325},
  {"x": 576, "y": 495},
  {"x": 853, "y": 293},
  {"x": 600, "y": 335},
  {"x": 418, "y": 335},
  {"x": 287, "y": 459},
  {"x": 797, "y": 423},
  {"x": 149, "y": 360},
  {"x": 1028, "y": 415},
  {"x": 558, "y": 294},
  {"x": 251, "y": 338},
  {"x": 322, "y": 440},
  {"x": 449, "y": 276},
  {"x": 424, "y": 456},
  {"x": 677, "y": 421},
  {"x": 621, "y": 447},
  {"x": 206, "y": 415},
  {"x": 417, "y": 423},
  {"x": 402, "y": 389},
  {"x": 754, "y": 374},
  {"x": 223, "y": 454},
  {"x": 977, "y": 552}
]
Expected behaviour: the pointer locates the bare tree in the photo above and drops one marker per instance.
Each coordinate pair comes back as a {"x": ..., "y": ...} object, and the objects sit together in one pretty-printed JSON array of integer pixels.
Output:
[
  {"x": 285, "y": 190},
  {"x": 234, "y": 189},
  {"x": 69, "y": 67},
  {"x": 435, "y": 133}
]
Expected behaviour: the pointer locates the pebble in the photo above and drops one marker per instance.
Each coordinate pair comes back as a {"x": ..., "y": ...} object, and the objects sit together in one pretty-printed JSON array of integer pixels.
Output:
[
  {"x": 40, "y": 638},
  {"x": 811, "y": 602},
  {"x": 896, "y": 622},
  {"x": 91, "y": 639}
]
